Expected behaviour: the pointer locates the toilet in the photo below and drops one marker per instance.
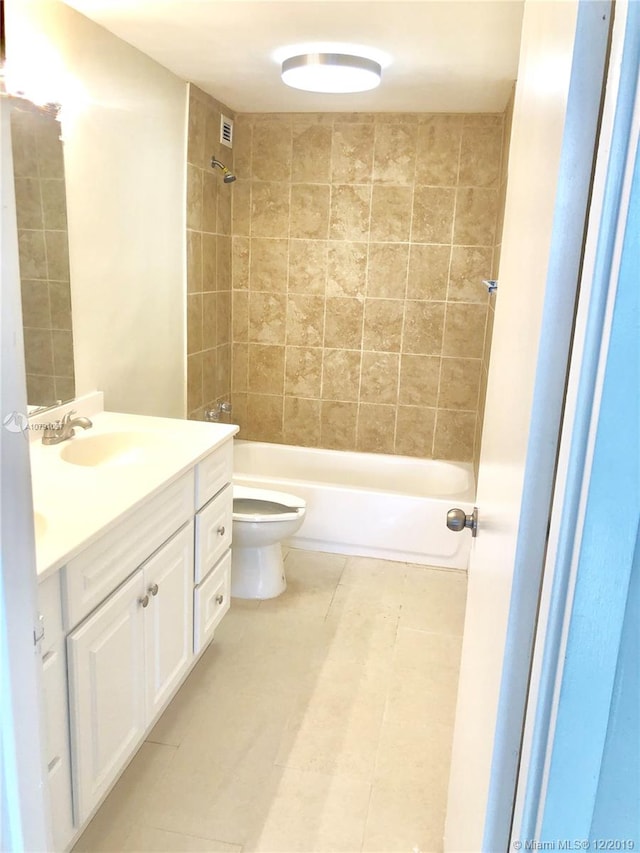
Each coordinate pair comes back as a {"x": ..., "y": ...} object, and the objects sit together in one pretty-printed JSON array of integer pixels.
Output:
[{"x": 261, "y": 520}]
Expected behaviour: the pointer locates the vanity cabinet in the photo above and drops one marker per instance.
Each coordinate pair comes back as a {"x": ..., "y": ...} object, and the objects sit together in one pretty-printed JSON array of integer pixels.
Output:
[
  {"x": 125, "y": 620},
  {"x": 125, "y": 661}
]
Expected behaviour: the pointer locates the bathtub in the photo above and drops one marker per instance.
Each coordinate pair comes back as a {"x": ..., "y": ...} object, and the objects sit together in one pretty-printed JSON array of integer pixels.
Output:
[{"x": 366, "y": 504}]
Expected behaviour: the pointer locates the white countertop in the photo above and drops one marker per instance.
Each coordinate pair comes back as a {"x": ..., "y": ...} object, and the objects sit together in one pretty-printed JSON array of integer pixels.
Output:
[{"x": 76, "y": 504}]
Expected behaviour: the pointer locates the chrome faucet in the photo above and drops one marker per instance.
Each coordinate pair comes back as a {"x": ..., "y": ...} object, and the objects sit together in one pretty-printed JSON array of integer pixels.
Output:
[
  {"x": 65, "y": 429},
  {"x": 218, "y": 411}
]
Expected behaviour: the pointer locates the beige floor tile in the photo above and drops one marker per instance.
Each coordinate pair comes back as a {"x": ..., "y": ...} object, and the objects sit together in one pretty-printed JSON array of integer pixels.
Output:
[
  {"x": 412, "y": 753},
  {"x": 434, "y": 601},
  {"x": 352, "y": 694},
  {"x": 128, "y": 799},
  {"x": 311, "y": 812},
  {"x": 405, "y": 818},
  {"x": 146, "y": 839},
  {"x": 380, "y": 576}
]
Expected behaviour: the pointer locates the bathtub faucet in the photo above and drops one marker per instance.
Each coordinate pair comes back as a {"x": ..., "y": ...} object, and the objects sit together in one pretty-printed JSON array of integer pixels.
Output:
[{"x": 217, "y": 411}]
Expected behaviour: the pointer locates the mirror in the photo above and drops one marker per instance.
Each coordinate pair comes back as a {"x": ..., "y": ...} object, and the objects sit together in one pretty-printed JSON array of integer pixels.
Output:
[{"x": 43, "y": 241}]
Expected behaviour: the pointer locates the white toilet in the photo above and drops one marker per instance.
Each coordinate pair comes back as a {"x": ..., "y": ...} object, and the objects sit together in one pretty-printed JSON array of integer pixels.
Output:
[{"x": 261, "y": 520}]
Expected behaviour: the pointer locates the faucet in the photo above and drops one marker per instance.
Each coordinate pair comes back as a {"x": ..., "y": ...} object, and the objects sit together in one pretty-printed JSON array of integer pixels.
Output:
[
  {"x": 65, "y": 429},
  {"x": 216, "y": 413}
]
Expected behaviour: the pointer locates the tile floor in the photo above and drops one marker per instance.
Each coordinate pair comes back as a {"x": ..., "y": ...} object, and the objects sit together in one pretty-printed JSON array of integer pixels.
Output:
[{"x": 318, "y": 721}]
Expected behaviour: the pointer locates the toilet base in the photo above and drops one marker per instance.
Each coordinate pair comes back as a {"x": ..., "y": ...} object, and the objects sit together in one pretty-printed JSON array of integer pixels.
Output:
[{"x": 257, "y": 573}]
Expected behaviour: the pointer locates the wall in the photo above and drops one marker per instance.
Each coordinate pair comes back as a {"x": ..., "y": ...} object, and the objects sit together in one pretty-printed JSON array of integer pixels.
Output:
[
  {"x": 124, "y": 125},
  {"x": 44, "y": 253},
  {"x": 208, "y": 257},
  {"x": 359, "y": 246}
]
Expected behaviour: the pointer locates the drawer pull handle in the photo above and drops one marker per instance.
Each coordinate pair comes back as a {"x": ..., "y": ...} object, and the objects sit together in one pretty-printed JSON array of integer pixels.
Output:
[
  {"x": 219, "y": 599},
  {"x": 144, "y": 601},
  {"x": 153, "y": 589},
  {"x": 221, "y": 531}
]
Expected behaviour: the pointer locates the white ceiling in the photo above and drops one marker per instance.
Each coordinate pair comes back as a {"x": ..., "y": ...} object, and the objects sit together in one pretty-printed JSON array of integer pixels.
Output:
[{"x": 444, "y": 56}]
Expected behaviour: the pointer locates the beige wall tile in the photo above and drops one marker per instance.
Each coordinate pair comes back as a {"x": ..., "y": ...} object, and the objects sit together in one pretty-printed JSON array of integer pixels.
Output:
[
  {"x": 310, "y": 211},
  {"x": 341, "y": 375},
  {"x": 196, "y": 130},
  {"x": 438, "y": 150},
  {"x": 57, "y": 247},
  {"x": 36, "y": 307},
  {"x": 415, "y": 427},
  {"x": 28, "y": 203},
  {"x": 240, "y": 262},
  {"x": 311, "y": 162},
  {"x": 394, "y": 160},
  {"x": 347, "y": 269},
  {"x": 266, "y": 413},
  {"x": 194, "y": 381},
  {"x": 223, "y": 262},
  {"x": 223, "y": 317},
  {"x": 194, "y": 261},
  {"x": 272, "y": 146},
  {"x": 301, "y": 421},
  {"x": 387, "y": 270},
  {"x": 60, "y": 304},
  {"x": 269, "y": 265},
  {"x": 305, "y": 320},
  {"x": 391, "y": 213},
  {"x": 38, "y": 344},
  {"x": 194, "y": 197},
  {"x": 470, "y": 266},
  {"x": 241, "y": 208},
  {"x": 194, "y": 323},
  {"x": 307, "y": 266},
  {"x": 54, "y": 204},
  {"x": 32, "y": 254},
  {"x": 269, "y": 210},
  {"x": 352, "y": 153},
  {"x": 338, "y": 425},
  {"x": 476, "y": 214},
  {"x": 428, "y": 271},
  {"x": 343, "y": 323},
  {"x": 464, "y": 330},
  {"x": 423, "y": 327},
  {"x": 210, "y": 182},
  {"x": 209, "y": 376},
  {"x": 419, "y": 380},
  {"x": 350, "y": 212},
  {"x": 209, "y": 320},
  {"x": 242, "y": 143},
  {"x": 459, "y": 383},
  {"x": 454, "y": 435},
  {"x": 240, "y": 367},
  {"x": 266, "y": 369},
  {"x": 379, "y": 380},
  {"x": 209, "y": 261},
  {"x": 376, "y": 428},
  {"x": 223, "y": 220},
  {"x": 303, "y": 371},
  {"x": 267, "y": 318},
  {"x": 480, "y": 155},
  {"x": 240, "y": 314},
  {"x": 383, "y": 320},
  {"x": 433, "y": 209}
]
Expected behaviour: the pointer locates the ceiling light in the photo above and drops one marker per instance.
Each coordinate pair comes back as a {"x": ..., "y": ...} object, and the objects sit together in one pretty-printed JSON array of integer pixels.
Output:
[{"x": 331, "y": 72}]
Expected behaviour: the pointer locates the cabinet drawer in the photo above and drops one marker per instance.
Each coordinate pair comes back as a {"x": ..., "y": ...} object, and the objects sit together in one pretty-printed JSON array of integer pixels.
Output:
[
  {"x": 211, "y": 601},
  {"x": 91, "y": 576},
  {"x": 213, "y": 532},
  {"x": 213, "y": 473}
]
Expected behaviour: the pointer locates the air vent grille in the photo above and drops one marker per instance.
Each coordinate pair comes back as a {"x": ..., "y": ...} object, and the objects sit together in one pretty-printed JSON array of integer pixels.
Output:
[{"x": 226, "y": 131}]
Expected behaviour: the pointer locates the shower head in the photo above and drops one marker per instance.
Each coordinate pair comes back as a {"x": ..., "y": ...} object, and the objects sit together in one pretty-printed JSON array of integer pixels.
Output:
[{"x": 229, "y": 177}]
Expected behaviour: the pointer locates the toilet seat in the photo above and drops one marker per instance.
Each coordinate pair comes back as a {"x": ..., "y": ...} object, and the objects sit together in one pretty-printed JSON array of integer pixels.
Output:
[{"x": 263, "y": 505}]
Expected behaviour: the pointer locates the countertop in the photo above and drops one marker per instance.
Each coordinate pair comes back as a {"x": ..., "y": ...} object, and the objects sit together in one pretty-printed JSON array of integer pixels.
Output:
[{"x": 75, "y": 504}]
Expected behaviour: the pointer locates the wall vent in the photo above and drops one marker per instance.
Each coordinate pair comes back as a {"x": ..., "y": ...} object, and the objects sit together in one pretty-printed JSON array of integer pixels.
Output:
[{"x": 226, "y": 131}]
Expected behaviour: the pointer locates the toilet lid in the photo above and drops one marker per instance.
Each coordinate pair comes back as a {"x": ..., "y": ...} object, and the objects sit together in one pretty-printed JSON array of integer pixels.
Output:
[{"x": 254, "y": 509}]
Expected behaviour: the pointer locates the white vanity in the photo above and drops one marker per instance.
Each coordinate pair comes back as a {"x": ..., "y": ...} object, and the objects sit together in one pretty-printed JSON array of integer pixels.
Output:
[{"x": 133, "y": 532}]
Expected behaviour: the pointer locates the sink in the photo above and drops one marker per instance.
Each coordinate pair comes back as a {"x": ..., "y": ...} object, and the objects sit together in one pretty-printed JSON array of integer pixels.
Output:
[{"x": 115, "y": 449}]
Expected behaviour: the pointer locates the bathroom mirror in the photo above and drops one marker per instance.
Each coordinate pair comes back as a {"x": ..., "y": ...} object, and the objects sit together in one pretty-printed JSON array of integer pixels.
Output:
[{"x": 41, "y": 212}]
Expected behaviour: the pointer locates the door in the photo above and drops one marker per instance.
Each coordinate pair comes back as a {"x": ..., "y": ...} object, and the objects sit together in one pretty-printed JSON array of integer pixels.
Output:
[
  {"x": 550, "y": 163},
  {"x": 168, "y": 577},
  {"x": 106, "y": 692}
]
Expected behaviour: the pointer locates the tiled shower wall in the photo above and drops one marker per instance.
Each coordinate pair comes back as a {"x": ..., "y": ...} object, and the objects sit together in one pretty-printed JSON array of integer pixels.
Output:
[
  {"x": 44, "y": 254},
  {"x": 208, "y": 258},
  {"x": 359, "y": 247}
]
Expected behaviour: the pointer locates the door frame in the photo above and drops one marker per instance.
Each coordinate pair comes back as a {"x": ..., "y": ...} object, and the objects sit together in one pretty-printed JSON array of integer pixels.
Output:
[{"x": 608, "y": 219}]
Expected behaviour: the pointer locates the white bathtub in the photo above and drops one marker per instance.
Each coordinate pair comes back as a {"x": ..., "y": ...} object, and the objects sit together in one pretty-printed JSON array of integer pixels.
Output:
[{"x": 367, "y": 504}]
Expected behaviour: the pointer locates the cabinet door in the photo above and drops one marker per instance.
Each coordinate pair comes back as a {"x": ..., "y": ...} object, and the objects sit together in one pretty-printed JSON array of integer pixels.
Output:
[
  {"x": 106, "y": 692},
  {"x": 168, "y": 618}
]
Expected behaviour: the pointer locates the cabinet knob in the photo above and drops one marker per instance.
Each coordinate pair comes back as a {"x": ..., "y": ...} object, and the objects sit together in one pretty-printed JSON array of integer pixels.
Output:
[
  {"x": 221, "y": 530},
  {"x": 219, "y": 599},
  {"x": 144, "y": 601},
  {"x": 153, "y": 589}
]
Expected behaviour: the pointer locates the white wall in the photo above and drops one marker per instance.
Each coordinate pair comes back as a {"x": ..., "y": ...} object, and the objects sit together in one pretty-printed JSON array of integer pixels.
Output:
[
  {"x": 124, "y": 126},
  {"x": 536, "y": 142}
]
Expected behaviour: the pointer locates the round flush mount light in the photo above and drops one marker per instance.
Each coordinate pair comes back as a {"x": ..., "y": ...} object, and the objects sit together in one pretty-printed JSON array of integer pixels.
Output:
[{"x": 332, "y": 73}]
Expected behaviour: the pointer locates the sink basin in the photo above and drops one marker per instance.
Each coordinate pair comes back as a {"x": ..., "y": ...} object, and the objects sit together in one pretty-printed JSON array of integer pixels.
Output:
[{"x": 115, "y": 448}]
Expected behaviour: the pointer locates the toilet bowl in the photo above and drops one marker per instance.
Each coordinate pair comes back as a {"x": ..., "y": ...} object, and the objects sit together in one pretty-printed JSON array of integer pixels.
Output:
[{"x": 261, "y": 520}]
